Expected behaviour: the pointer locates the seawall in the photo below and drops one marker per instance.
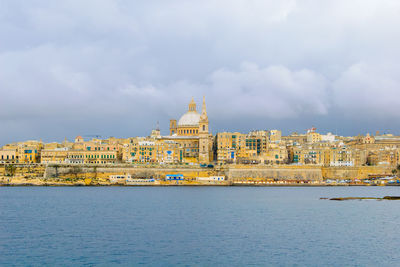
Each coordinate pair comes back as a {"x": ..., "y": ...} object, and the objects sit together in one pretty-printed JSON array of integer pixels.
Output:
[{"x": 94, "y": 174}]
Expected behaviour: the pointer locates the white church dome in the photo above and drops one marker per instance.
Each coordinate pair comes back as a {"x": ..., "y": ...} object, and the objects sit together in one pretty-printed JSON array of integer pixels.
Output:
[{"x": 190, "y": 118}]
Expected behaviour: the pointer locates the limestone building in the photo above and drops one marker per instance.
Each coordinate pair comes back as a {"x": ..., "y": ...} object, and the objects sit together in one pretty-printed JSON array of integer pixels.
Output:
[{"x": 192, "y": 132}]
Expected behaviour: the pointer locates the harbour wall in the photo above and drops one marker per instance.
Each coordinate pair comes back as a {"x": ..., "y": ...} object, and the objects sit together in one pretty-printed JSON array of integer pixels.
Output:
[
  {"x": 103, "y": 173},
  {"x": 312, "y": 173},
  {"x": 362, "y": 172},
  {"x": 306, "y": 173},
  {"x": 63, "y": 173}
]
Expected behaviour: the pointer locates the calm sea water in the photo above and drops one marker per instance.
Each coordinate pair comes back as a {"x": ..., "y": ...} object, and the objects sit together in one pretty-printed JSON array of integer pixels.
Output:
[{"x": 201, "y": 226}]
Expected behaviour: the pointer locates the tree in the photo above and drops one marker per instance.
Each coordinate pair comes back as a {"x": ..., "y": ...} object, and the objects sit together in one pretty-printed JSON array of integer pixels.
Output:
[{"x": 10, "y": 170}]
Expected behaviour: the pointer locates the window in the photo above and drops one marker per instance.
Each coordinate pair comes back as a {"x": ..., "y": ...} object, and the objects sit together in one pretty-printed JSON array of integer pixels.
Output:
[{"x": 204, "y": 127}]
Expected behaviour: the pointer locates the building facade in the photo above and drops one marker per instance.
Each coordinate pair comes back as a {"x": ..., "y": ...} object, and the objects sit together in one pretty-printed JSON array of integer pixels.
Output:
[{"x": 192, "y": 134}]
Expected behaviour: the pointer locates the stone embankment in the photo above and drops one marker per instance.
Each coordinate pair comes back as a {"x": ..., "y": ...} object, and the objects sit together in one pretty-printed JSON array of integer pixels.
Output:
[
  {"x": 64, "y": 174},
  {"x": 305, "y": 173}
]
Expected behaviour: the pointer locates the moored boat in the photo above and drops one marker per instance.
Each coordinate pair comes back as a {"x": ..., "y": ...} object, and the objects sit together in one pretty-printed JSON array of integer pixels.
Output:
[{"x": 140, "y": 181}]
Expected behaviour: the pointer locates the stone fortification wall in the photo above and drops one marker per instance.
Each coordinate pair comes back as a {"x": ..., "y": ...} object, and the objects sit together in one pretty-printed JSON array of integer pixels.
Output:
[
  {"x": 37, "y": 173},
  {"x": 22, "y": 170},
  {"x": 21, "y": 173},
  {"x": 362, "y": 172},
  {"x": 238, "y": 173},
  {"x": 103, "y": 173},
  {"x": 313, "y": 173}
]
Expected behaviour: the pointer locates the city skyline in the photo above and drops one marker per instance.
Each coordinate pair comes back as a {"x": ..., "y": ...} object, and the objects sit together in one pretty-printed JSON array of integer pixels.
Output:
[
  {"x": 166, "y": 131},
  {"x": 190, "y": 142}
]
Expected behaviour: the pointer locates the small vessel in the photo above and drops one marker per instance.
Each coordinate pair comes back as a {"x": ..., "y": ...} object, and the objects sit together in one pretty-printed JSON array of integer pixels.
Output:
[
  {"x": 211, "y": 179},
  {"x": 140, "y": 181},
  {"x": 117, "y": 179},
  {"x": 128, "y": 180}
]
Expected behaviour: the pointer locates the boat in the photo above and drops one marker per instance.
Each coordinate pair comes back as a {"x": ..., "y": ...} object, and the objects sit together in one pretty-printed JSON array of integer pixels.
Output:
[
  {"x": 117, "y": 179},
  {"x": 140, "y": 181}
]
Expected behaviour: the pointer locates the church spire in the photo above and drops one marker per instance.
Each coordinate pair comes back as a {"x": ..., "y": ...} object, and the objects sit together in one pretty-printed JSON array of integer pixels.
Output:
[{"x": 204, "y": 110}]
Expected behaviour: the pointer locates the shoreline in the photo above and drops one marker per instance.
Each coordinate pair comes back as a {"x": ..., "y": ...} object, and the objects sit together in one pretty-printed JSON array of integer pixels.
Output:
[{"x": 187, "y": 185}]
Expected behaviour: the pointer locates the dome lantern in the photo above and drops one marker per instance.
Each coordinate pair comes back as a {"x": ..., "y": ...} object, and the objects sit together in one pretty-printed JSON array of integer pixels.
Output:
[{"x": 192, "y": 106}]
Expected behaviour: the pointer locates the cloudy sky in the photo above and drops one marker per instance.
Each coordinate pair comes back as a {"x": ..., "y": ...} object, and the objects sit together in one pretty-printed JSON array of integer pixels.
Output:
[{"x": 116, "y": 67}]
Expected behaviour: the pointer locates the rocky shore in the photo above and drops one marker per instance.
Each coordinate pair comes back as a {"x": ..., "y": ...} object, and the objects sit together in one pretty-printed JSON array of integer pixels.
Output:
[{"x": 363, "y": 198}]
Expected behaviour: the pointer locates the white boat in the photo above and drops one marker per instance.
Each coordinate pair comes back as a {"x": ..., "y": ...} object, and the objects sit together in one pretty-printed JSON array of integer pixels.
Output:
[
  {"x": 128, "y": 180},
  {"x": 139, "y": 181},
  {"x": 118, "y": 179},
  {"x": 211, "y": 179}
]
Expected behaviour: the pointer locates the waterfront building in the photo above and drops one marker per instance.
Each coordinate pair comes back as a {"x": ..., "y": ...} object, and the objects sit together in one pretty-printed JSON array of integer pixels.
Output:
[
  {"x": 228, "y": 147},
  {"x": 341, "y": 156},
  {"x": 193, "y": 135},
  {"x": 8, "y": 156},
  {"x": 276, "y": 154},
  {"x": 21, "y": 152},
  {"x": 169, "y": 152},
  {"x": 383, "y": 156},
  {"x": 92, "y": 157},
  {"x": 303, "y": 155},
  {"x": 56, "y": 155},
  {"x": 252, "y": 148},
  {"x": 29, "y": 151}
]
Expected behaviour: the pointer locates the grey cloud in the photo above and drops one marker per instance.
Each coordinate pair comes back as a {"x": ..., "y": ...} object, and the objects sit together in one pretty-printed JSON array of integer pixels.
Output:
[
  {"x": 118, "y": 66},
  {"x": 272, "y": 92},
  {"x": 367, "y": 89}
]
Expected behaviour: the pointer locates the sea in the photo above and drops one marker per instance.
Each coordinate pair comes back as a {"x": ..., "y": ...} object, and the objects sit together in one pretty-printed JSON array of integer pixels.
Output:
[{"x": 198, "y": 226}]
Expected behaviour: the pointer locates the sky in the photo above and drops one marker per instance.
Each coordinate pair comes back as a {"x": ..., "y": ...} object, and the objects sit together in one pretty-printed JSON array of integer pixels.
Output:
[{"x": 116, "y": 67}]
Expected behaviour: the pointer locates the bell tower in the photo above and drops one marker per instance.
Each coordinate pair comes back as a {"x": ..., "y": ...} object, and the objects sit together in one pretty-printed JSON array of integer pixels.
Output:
[{"x": 204, "y": 136}]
